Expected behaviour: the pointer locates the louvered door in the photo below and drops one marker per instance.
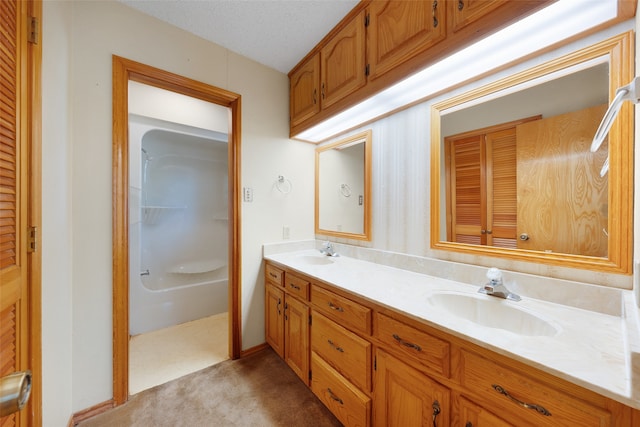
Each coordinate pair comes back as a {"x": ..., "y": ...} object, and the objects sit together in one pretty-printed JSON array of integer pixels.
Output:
[{"x": 14, "y": 339}]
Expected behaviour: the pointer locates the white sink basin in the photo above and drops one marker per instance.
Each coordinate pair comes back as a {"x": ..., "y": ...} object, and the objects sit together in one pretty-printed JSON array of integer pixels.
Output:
[
  {"x": 493, "y": 312},
  {"x": 315, "y": 259}
]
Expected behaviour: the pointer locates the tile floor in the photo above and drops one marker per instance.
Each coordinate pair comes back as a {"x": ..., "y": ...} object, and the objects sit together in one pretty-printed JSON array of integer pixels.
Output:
[{"x": 164, "y": 355}]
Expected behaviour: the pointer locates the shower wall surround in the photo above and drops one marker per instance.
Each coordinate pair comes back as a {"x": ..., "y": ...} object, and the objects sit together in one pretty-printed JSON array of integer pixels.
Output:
[{"x": 178, "y": 224}]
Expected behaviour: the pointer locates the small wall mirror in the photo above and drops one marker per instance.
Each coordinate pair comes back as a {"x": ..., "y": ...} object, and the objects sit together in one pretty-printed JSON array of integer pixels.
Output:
[
  {"x": 512, "y": 170},
  {"x": 343, "y": 188}
]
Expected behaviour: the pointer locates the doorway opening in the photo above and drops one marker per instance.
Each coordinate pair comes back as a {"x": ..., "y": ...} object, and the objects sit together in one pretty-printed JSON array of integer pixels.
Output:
[{"x": 176, "y": 172}]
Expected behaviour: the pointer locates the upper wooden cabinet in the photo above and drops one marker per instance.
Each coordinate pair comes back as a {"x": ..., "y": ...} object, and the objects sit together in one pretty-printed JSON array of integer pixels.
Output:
[
  {"x": 399, "y": 30},
  {"x": 390, "y": 39},
  {"x": 342, "y": 59},
  {"x": 304, "y": 90}
]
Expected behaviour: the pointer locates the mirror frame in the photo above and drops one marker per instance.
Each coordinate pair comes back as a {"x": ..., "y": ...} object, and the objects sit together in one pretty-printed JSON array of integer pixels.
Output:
[
  {"x": 364, "y": 137},
  {"x": 619, "y": 50}
]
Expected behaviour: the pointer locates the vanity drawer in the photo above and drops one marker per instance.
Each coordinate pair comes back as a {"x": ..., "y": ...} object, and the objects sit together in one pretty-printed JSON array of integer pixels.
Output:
[
  {"x": 344, "y": 400},
  {"x": 342, "y": 310},
  {"x": 274, "y": 274},
  {"x": 343, "y": 350},
  {"x": 503, "y": 389},
  {"x": 413, "y": 343},
  {"x": 296, "y": 286}
]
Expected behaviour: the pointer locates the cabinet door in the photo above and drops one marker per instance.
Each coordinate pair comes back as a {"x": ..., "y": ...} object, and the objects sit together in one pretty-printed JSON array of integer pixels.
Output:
[
  {"x": 405, "y": 397},
  {"x": 466, "y": 12},
  {"x": 400, "y": 30},
  {"x": 343, "y": 62},
  {"x": 296, "y": 341},
  {"x": 274, "y": 318},
  {"x": 472, "y": 415},
  {"x": 304, "y": 90}
]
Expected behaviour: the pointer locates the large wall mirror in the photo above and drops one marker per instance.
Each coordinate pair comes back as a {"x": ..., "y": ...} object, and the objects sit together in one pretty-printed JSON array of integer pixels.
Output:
[
  {"x": 512, "y": 171},
  {"x": 343, "y": 188}
]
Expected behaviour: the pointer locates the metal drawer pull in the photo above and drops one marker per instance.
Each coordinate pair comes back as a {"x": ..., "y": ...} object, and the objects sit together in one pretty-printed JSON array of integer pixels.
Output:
[
  {"x": 334, "y": 397},
  {"x": 340, "y": 349},
  {"x": 336, "y": 308},
  {"x": 275, "y": 276},
  {"x": 406, "y": 343},
  {"x": 537, "y": 408},
  {"x": 297, "y": 288},
  {"x": 436, "y": 411}
]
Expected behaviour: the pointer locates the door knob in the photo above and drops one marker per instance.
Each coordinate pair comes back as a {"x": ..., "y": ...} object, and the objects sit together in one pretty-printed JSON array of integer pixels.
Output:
[{"x": 15, "y": 390}]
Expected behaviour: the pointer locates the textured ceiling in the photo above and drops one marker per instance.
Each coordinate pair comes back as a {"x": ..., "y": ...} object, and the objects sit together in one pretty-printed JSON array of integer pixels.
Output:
[{"x": 276, "y": 33}]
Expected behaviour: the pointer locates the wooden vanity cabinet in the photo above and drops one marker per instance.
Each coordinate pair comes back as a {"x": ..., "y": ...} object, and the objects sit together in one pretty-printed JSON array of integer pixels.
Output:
[
  {"x": 287, "y": 320},
  {"x": 472, "y": 415},
  {"x": 372, "y": 365},
  {"x": 405, "y": 397}
]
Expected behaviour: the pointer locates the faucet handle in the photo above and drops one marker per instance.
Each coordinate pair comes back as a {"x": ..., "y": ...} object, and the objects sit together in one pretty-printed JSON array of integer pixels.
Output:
[{"x": 494, "y": 274}]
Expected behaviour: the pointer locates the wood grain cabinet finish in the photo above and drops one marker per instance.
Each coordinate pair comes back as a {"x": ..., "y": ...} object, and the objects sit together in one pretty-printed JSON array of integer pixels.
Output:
[
  {"x": 410, "y": 374},
  {"x": 518, "y": 396},
  {"x": 409, "y": 342},
  {"x": 274, "y": 318},
  {"x": 382, "y": 42},
  {"x": 342, "y": 69},
  {"x": 296, "y": 337},
  {"x": 399, "y": 30},
  {"x": 405, "y": 397},
  {"x": 287, "y": 319},
  {"x": 342, "y": 310},
  {"x": 350, "y": 405},
  {"x": 343, "y": 350},
  {"x": 297, "y": 286},
  {"x": 304, "y": 91},
  {"x": 472, "y": 415}
]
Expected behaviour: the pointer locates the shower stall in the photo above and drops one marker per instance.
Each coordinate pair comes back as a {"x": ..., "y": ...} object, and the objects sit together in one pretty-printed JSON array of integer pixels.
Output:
[{"x": 178, "y": 228}]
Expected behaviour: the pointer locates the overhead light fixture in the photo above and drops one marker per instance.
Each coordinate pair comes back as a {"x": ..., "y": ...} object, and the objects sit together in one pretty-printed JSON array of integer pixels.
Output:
[{"x": 559, "y": 21}]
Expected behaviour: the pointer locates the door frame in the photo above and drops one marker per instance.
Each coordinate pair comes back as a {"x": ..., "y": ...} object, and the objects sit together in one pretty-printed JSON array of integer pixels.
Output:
[{"x": 123, "y": 71}]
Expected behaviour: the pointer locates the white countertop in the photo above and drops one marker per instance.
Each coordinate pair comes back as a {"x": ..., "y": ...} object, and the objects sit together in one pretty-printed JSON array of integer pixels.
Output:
[{"x": 590, "y": 349}]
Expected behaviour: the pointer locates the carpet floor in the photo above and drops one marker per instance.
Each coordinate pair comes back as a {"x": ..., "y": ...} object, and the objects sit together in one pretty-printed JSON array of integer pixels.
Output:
[{"x": 258, "y": 390}]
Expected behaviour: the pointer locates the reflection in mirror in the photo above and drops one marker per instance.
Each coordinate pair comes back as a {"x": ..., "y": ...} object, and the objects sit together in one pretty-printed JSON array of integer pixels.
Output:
[
  {"x": 343, "y": 187},
  {"x": 515, "y": 176}
]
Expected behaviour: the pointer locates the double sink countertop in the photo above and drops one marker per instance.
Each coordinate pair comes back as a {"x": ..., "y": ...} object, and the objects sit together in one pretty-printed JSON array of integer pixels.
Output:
[{"x": 596, "y": 349}]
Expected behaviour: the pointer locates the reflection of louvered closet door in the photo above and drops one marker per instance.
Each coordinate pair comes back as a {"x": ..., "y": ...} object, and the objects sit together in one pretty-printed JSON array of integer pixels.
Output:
[
  {"x": 13, "y": 271},
  {"x": 482, "y": 188}
]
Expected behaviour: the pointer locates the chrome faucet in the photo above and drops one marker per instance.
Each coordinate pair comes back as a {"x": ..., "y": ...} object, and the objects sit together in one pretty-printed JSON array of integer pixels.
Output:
[
  {"x": 496, "y": 288},
  {"x": 328, "y": 250}
]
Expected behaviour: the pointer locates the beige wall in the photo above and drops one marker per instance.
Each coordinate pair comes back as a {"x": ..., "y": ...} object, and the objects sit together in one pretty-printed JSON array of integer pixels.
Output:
[{"x": 79, "y": 39}]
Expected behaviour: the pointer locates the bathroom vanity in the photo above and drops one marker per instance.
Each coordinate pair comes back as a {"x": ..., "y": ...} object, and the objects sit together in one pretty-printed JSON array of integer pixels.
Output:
[{"x": 381, "y": 345}]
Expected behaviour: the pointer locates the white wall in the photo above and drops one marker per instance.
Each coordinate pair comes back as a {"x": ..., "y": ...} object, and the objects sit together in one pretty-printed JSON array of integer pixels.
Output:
[
  {"x": 79, "y": 41},
  {"x": 56, "y": 216}
]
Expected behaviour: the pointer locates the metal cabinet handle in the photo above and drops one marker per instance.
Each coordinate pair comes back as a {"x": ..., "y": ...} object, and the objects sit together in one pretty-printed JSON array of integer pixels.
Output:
[
  {"x": 436, "y": 412},
  {"x": 524, "y": 236},
  {"x": 538, "y": 408},
  {"x": 315, "y": 96},
  {"x": 335, "y": 307},
  {"x": 335, "y": 347},
  {"x": 334, "y": 397},
  {"x": 273, "y": 275},
  {"x": 296, "y": 287},
  {"x": 406, "y": 343},
  {"x": 434, "y": 9}
]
